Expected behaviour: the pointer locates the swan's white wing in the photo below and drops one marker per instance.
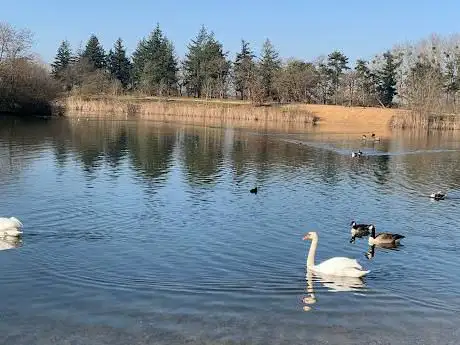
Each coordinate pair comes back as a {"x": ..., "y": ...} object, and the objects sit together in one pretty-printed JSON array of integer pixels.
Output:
[
  {"x": 9, "y": 223},
  {"x": 339, "y": 262},
  {"x": 341, "y": 266},
  {"x": 10, "y": 232}
]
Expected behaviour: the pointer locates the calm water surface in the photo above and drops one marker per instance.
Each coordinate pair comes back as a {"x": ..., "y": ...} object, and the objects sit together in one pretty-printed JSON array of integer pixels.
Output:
[{"x": 145, "y": 233}]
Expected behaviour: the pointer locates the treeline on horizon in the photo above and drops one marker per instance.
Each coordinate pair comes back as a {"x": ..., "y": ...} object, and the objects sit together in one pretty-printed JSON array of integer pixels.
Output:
[
  {"x": 424, "y": 76},
  {"x": 208, "y": 71}
]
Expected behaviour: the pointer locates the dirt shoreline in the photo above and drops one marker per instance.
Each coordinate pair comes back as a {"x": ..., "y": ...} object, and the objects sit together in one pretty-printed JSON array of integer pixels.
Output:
[{"x": 292, "y": 117}]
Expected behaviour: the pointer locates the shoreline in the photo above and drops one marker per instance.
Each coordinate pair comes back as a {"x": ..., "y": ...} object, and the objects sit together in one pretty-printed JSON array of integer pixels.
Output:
[{"x": 292, "y": 117}]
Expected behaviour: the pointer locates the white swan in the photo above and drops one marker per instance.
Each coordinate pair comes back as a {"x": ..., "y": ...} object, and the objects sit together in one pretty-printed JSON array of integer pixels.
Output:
[
  {"x": 10, "y": 227},
  {"x": 337, "y": 266}
]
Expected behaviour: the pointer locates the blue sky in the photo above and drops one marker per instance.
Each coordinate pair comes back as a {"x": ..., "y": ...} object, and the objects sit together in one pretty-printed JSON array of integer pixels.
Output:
[{"x": 303, "y": 29}]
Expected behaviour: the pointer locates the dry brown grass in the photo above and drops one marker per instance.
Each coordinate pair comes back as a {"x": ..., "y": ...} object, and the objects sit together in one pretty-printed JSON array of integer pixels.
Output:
[
  {"x": 292, "y": 117},
  {"x": 359, "y": 120},
  {"x": 154, "y": 107},
  {"x": 426, "y": 121}
]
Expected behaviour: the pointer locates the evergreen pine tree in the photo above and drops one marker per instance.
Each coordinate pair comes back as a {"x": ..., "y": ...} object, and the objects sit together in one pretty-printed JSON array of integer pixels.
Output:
[
  {"x": 243, "y": 69},
  {"x": 337, "y": 63},
  {"x": 170, "y": 67},
  {"x": 62, "y": 60},
  {"x": 269, "y": 65},
  {"x": 192, "y": 65},
  {"x": 154, "y": 63},
  {"x": 94, "y": 53},
  {"x": 206, "y": 67},
  {"x": 118, "y": 64},
  {"x": 216, "y": 67},
  {"x": 387, "y": 79},
  {"x": 366, "y": 83}
]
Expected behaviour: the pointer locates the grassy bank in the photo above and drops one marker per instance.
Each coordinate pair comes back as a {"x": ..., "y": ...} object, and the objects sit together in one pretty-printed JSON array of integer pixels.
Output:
[
  {"x": 185, "y": 108},
  {"x": 420, "y": 120},
  {"x": 330, "y": 118}
]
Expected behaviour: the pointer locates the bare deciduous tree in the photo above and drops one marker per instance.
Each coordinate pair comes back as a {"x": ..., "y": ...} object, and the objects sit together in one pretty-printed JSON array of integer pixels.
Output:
[
  {"x": 14, "y": 43},
  {"x": 26, "y": 85}
]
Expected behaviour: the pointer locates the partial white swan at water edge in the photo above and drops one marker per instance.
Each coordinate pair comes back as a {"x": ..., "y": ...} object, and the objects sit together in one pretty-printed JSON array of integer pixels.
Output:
[
  {"x": 337, "y": 266},
  {"x": 11, "y": 227}
]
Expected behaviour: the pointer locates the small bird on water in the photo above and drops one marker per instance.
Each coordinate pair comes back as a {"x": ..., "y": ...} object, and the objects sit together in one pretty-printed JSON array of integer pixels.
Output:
[
  {"x": 438, "y": 196},
  {"x": 254, "y": 190},
  {"x": 356, "y": 154}
]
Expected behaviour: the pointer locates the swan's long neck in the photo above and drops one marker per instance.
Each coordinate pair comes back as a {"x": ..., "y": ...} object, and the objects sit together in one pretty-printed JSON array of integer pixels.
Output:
[{"x": 312, "y": 252}]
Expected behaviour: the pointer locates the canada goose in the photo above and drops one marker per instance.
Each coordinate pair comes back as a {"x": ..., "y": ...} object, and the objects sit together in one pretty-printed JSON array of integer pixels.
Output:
[
  {"x": 438, "y": 196},
  {"x": 10, "y": 227},
  {"x": 356, "y": 154},
  {"x": 253, "y": 190},
  {"x": 375, "y": 138},
  {"x": 358, "y": 230},
  {"x": 337, "y": 266},
  {"x": 383, "y": 238}
]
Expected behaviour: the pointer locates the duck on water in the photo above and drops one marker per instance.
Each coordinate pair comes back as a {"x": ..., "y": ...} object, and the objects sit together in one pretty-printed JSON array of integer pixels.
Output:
[
  {"x": 357, "y": 154},
  {"x": 438, "y": 196}
]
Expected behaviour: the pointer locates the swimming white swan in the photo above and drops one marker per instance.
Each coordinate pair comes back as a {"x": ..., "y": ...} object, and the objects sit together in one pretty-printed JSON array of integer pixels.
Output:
[
  {"x": 337, "y": 266},
  {"x": 10, "y": 227}
]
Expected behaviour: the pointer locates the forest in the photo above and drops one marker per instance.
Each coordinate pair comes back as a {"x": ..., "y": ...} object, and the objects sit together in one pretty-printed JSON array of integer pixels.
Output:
[{"x": 423, "y": 75}]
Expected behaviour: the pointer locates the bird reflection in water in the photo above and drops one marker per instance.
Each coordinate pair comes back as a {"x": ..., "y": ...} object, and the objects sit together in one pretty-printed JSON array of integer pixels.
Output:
[
  {"x": 371, "y": 250},
  {"x": 10, "y": 242},
  {"x": 331, "y": 283}
]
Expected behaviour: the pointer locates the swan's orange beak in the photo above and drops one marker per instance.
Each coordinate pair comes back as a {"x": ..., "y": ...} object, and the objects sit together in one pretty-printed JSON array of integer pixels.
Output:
[{"x": 305, "y": 237}]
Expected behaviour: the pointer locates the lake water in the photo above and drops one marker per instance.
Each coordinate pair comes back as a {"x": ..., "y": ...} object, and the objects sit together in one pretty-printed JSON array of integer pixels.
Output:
[{"x": 146, "y": 233}]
